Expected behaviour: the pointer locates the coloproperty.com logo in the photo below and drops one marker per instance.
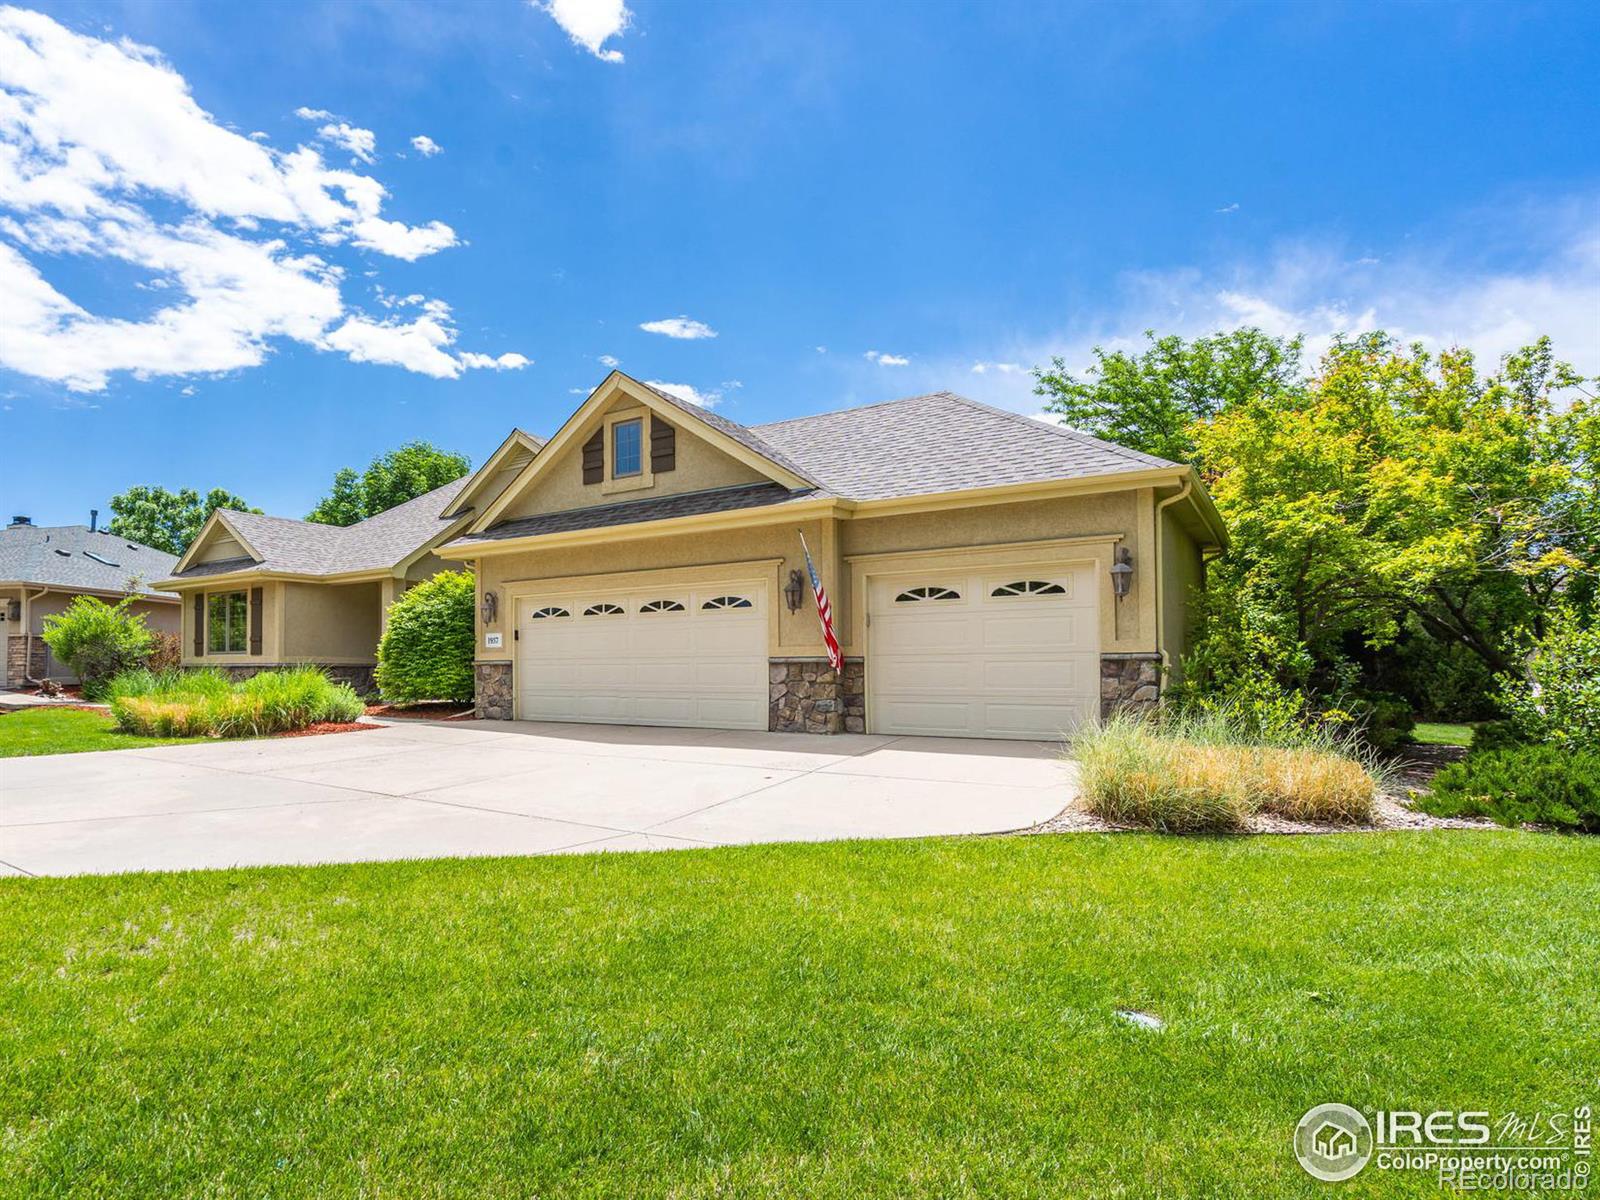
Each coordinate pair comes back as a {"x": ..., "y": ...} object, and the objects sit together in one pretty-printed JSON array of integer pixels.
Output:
[{"x": 1545, "y": 1152}]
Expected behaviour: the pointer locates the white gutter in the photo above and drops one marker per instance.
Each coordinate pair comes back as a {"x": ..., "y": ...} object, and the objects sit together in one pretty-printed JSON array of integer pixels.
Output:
[{"x": 27, "y": 635}]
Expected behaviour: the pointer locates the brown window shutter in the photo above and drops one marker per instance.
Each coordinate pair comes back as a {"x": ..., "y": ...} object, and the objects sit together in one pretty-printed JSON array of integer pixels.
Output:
[
  {"x": 255, "y": 620},
  {"x": 199, "y": 624},
  {"x": 594, "y": 457},
  {"x": 663, "y": 446}
]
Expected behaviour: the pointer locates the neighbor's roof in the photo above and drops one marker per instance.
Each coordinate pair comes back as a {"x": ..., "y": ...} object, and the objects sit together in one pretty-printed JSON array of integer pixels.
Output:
[
  {"x": 922, "y": 445},
  {"x": 70, "y": 557},
  {"x": 306, "y": 548},
  {"x": 941, "y": 442}
]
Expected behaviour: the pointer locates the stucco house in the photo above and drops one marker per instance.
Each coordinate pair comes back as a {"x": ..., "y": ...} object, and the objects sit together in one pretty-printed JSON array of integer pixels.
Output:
[
  {"x": 43, "y": 568},
  {"x": 990, "y": 575},
  {"x": 262, "y": 592}
]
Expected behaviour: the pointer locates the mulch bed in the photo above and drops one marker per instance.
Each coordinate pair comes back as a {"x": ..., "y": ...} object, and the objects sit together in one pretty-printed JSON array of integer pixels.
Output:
[
  {"x": 327, "y": 727},
  {"x": 421, "y": 712}
]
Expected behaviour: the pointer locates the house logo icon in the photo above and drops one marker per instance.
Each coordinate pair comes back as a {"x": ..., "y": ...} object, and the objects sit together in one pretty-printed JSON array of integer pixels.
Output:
[{"x": 1333, "y": 1142}]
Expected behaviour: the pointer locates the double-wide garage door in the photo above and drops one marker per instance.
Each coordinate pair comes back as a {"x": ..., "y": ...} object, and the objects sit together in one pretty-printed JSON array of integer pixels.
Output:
[
  {"x": 656, "y": 656},
  {"x": 1006, "y": 653}
]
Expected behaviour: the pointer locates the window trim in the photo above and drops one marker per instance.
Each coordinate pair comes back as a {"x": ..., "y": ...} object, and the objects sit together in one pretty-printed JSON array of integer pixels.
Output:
[
  {"x": 925, "y": 592},
  {"x": 605, "y": 608},
  {"x": 243, "y": 614},
  {"x": 549, "y": 612},
  {"x": 1021, "y": 589},
  {"x": 663, "y": 604},
  {"x": 642, "y": 478},
  {"x": 617, "y": 427},
  {"x": 727, "y": 603}
]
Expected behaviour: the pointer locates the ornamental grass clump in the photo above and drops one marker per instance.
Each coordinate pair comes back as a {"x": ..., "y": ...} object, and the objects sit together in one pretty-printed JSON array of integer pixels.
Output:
[
  {"x": 1203, "y": 773},
  {"x": 206, "y": 703}
]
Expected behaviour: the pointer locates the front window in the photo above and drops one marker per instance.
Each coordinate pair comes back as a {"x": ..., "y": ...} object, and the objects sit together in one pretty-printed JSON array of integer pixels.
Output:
[
  {"x": 226, "y": 615},
  {"x": 627, "y": 438}
]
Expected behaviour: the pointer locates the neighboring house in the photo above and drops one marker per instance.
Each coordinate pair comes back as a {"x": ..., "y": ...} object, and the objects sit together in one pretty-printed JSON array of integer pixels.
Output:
[
  {"x": 645, "y": 566},
  {"x": 43, "y": 568},
  {"x": 262, "y": 592}
]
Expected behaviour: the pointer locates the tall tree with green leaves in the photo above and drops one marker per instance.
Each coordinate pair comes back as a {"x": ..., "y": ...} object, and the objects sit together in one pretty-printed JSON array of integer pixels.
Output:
[
  {"x": 1387, "y": 497},
  {"x": 391, "y": 478},
  {"x": 1152, "y": 400},
  {"x": 167, "y": 520}
]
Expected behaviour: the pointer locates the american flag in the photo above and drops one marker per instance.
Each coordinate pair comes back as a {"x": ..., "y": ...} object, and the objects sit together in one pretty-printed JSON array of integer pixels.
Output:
[{"x": 824, "y": 610}]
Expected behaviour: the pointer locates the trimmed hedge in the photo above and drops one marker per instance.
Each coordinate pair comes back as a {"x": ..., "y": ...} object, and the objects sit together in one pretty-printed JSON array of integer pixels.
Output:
[
  {"x": 426, "y": 651},
  {"x": 1540, "y": 785}
]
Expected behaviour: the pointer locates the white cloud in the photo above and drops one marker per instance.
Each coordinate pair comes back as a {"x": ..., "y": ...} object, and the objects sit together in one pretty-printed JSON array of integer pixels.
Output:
[
  {"x": 821, "y": 349},
  {"x": 1002, "y": 368},
  {"x": 1229, "y": 208},
  {"x": 886, "y": 360},
  {"x": 426, "y": 146},
  {"x": 684, "y": 391},
  {"x": 313, "y": 114},
  {"x": 680, "y": 327},
  {"x": 590, "y": 23},
  {"x": 502, "y": 362},
  {"x": 104, "y": 155},
  {"x": 610, "y": 360},
  {"x": 363, "y": 143},
  {"x": 1456, "y": 292}
]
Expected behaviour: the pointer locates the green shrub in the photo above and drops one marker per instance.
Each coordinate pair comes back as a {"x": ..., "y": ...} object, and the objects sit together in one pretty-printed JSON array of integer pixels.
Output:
[
  {"x": 97, "y": 640},
  {"x": 427, "y": 647},
  {"x": 1496, "y": 735},
  {"x": 1558, "y": 699},
  {"x": 1210, "y": 771},
  {"x": 207, "y": 704},
  {"x": 1543, "y": 785}
]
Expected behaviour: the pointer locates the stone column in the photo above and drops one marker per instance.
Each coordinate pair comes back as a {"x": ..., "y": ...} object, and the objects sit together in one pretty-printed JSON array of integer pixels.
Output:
[
  {"x": 1129, "y": 683},
  {"x": 806, "y": 695},
  {"x": 492, "y": 690}
]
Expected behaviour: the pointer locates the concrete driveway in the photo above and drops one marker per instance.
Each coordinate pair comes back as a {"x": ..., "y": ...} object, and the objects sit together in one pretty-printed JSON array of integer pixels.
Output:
[{"x": 425, "y": 790}]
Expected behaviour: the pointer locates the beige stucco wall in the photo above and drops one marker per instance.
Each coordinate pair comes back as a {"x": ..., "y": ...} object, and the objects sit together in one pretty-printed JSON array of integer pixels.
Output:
[
  {"x": 330, "y": 623},
  {"x": 1182, "y": 575},
  {"x": 161, "y": 617},
  {"x": 219, "y": 546},
  {"x": 1096, "y": 524},
  {"x": 271, "y": 626},
  {"x": 560, "y": 485}
]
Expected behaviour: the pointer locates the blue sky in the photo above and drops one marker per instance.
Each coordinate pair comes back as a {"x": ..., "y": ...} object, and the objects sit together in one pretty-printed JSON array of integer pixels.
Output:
[{"x": 860, "y": 200}]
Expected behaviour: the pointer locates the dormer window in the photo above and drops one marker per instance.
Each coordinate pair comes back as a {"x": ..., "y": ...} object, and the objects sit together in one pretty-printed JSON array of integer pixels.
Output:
[{"x": 627, "y": 446}]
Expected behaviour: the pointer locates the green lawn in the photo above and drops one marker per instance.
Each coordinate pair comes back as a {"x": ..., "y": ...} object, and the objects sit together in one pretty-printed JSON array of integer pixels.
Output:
[
  {"x": 1439, "y": 733},
  {"x": 929, "y": 1018},
  {"x": 67, "y": 731}
]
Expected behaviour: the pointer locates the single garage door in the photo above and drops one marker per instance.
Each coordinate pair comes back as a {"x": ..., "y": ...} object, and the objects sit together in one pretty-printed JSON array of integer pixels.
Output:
[
  {"x": 661, "y": 656},
  {"x": 1000, "y": 654}
]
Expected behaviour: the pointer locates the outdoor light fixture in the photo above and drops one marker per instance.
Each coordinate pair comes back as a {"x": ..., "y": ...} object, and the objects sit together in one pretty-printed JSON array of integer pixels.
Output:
[
  {"x": 794, "y": 592},
  {"x": 490, "y": 607},
  {"x": 1121, "y": 572}
]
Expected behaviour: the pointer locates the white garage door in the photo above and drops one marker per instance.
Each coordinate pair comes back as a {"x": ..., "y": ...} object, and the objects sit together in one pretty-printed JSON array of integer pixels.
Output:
[
  {"x": 660, "y": 656},
  {"x": 1004, "y": 653}
]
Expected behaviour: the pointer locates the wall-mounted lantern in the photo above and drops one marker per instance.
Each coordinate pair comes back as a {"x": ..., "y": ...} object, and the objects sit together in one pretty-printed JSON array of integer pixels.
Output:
[
  {"x": 1121, "y": 572},
  {"x": 794, "y": 592},
  {"x": 490, "y": 607}
]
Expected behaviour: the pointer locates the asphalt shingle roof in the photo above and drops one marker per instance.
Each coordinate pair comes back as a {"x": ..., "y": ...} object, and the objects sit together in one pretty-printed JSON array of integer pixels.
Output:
[
  {"x": 921, "y": 445},
  {"x": 59, "y": 556},
  {"x": 941, "y": 443},
  {"x": 632, "y": 512},
  {"x": 306, "y": 548}
]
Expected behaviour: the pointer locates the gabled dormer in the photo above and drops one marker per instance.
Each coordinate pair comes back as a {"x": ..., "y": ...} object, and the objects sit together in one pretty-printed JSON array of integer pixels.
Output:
[{"x": 628, "y": 441}]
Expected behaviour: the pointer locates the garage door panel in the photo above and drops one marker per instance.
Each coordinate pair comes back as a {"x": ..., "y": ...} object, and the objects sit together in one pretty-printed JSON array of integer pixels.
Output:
[
  {"x": 1022, "y": 664},
  {"x": 895, "y": 674},
  {"x": 704, "y": 667}
]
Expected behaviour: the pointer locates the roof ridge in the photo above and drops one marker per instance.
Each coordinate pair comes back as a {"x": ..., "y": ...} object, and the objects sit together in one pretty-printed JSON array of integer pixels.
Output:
[{"x": 832, "y": 412}]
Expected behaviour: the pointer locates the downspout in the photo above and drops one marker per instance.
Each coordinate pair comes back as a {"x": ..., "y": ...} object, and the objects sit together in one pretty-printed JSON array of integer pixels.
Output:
[
  {"x": 27, "y": 635},
  {"x": 1181, "y": 494}
]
